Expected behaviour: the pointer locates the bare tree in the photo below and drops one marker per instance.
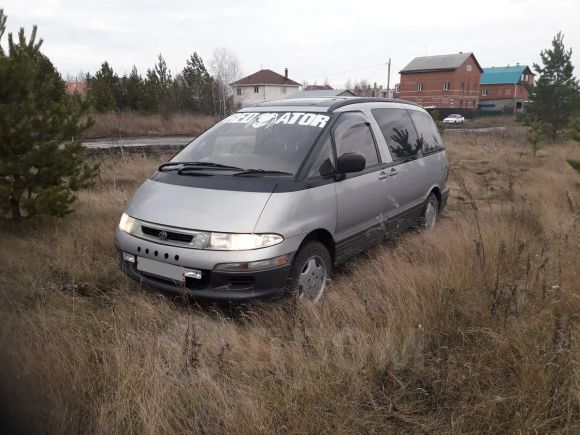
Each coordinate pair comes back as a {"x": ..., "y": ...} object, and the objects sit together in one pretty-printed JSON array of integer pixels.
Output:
[{"x": 225, "y": 67}]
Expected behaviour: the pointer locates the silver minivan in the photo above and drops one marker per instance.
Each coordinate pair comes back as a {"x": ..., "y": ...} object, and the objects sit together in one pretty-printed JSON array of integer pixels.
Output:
[{"x": 269, "y": 200}]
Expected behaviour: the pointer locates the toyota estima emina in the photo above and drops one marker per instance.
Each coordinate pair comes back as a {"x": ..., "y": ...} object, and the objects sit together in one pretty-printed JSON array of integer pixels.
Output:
[{"x": 273, "y": 197}]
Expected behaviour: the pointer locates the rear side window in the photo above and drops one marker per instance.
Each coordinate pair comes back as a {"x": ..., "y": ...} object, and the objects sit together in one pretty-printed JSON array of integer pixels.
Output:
[
  {"x": 427, "y": 130},
  {"x": 352, "y": 134},
  {"x": 399, "y": 132}
]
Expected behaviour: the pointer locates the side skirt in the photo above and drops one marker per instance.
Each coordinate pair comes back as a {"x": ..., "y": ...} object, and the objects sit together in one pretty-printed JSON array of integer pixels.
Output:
[{"x": 348, "y": 248}]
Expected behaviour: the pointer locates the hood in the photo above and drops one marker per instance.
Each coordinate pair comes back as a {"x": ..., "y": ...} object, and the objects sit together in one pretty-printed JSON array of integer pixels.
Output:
[{"x": 196, "y": 208}]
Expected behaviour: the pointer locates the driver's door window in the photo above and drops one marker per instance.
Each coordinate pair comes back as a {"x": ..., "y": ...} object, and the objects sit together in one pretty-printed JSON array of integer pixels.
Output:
[{"x": 352, "y": 134}]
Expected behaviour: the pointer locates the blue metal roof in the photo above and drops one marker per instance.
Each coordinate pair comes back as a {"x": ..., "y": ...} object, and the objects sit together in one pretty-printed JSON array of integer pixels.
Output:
[{"x": 502, "y": 75}]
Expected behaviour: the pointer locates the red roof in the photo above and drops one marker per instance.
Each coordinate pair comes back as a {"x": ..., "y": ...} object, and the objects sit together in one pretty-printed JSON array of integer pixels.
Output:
[{"x": 265, "y": 77}]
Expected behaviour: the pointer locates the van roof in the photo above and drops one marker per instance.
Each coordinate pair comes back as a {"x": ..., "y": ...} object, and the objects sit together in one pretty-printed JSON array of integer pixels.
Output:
[{"x": 324, "y": 104}]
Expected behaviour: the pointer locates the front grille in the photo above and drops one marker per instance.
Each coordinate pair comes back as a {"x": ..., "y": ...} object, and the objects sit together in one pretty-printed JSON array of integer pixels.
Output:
[{"x": 171, "y": 235}]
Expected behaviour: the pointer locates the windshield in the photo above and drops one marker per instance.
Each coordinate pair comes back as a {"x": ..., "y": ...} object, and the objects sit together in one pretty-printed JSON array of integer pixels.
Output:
[{"x": 273, "y": 141}]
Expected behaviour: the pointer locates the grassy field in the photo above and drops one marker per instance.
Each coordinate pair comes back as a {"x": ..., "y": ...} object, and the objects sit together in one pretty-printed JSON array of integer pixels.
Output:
[
  {"x": 125, "y": 124},
  {"x": 472, "y": 327}
]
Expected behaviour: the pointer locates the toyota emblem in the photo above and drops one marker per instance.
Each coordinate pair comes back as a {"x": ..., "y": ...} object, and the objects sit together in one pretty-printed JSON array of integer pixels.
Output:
[{"x": 162, "y": 235}]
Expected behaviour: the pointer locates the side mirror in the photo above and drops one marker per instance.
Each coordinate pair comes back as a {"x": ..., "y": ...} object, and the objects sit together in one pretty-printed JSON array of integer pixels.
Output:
[{"x": 350, "y": 162}]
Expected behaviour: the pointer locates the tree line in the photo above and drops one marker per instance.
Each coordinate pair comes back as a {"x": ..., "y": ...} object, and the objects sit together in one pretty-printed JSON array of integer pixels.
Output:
[
  {"x": 194, "y": 89},
  {"x": 42, "y": 164}
]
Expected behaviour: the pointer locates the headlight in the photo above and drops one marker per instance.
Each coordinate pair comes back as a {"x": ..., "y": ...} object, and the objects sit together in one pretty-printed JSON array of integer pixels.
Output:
[
  {"x": 127, "y": 224},
  {"x": 241, "y": 242}
]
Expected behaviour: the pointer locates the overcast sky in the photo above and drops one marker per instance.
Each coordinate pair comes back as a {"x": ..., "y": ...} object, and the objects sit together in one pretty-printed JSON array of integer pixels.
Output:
[{"x": 314, "y": 39}]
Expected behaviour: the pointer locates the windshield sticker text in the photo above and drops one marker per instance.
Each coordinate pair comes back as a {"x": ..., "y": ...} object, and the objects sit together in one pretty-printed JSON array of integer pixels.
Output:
[{"x": 266, "y": 120}]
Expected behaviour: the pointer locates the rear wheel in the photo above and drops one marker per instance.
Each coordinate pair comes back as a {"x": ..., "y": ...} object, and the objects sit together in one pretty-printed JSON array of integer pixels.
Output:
[
  {"x": 430, "y": 212},
  {"x": 310, "y": 272}
]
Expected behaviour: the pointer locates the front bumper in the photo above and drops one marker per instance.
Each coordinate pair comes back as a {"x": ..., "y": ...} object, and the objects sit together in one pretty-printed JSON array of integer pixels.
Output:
[{"x": 214, "y": 285}]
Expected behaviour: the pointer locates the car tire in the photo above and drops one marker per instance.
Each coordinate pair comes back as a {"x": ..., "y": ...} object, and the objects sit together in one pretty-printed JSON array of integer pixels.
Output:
[
  {"x": 310, "y": 272},
  {"x": 430, "y": 213}
]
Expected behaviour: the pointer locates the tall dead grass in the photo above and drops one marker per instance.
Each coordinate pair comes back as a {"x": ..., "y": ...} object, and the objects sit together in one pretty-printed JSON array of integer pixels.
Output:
[
  {"x": 472, "y": 327},
  {"x": 124, "y": 124}
]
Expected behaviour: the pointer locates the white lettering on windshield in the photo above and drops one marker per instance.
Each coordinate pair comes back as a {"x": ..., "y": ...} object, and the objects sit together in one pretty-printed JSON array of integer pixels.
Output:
[{"x": 268, "y": 119}]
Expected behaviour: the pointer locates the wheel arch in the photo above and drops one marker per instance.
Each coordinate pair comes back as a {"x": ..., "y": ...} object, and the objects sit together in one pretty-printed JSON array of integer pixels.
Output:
[
  {"x": 323, "y": 236},
  {"x": 437, "y": 192}
]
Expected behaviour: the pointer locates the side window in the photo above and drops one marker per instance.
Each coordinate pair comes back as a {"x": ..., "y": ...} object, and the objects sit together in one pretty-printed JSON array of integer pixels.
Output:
[
  {"x": 399, "y": 133},
  {"x": 352, "y": 134},
  {"x": 428, "y": 134},
  {"x": 323, "y": 163}
]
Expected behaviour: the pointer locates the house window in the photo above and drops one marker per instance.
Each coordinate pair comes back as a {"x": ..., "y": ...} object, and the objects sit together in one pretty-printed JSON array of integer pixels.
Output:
[
  {"x": 283, "y": 89},
  {"x": 446, "y": 86},
  {"x": 256, "y": 89},
  {"x": 420, "y": 87},
  {"x": 239, "y": 91},
  {"x": 526, "y": 78},
  {"x": 468, "y": 68},
  {"x": 484, "y": 92}
]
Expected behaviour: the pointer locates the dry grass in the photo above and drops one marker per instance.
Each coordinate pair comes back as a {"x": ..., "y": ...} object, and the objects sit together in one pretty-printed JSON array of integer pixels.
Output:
[
  {"x": 123, "y": 124},
  {"x": 492, "y": 121},
  {"x": 472, "y": 327}
]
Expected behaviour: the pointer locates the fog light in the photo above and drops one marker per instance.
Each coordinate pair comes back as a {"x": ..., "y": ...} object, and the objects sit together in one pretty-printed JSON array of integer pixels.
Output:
[
  {"x": 195, "y": 274},
  {"x": 128, "y": 257},
  {"x": 253, "y": 265}
]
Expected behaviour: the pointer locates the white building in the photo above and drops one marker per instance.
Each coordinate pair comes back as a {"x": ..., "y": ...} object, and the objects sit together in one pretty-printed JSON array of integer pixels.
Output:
[{"x": 263, "y": 85}]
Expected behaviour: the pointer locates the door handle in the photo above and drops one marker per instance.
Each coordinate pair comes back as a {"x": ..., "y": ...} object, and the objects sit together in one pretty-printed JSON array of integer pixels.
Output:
[
  {"x": 383, "y": 175},
  {"x": 393, "y": 172}
]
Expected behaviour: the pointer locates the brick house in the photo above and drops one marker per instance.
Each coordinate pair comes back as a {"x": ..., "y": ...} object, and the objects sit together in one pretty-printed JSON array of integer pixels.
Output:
[
  {"x": 263, "y": 85},
  {"x": 75, "y": 87},
  {"x": 505, "y": 88},
  {"x": 449, "y": 81}
]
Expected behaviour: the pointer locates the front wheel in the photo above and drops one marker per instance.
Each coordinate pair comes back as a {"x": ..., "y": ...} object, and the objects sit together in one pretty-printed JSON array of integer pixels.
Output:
[
  {"x": 430, "y": 212},
  {"x": 310, "y": 272}
]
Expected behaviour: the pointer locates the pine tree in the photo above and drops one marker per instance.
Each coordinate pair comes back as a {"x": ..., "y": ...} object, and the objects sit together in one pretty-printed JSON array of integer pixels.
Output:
[
  {"x": 104, "y": 89},
  {"x": 199, "y": 85},
  {"x": 574, "y": 129},
  {"x": 41, "y": 161},
  {"x": 157, "y": 88},
  {"x": 536, "y": 136},
  {"x": 135, "y": 89},
  {"x": 556, "y": 93}
]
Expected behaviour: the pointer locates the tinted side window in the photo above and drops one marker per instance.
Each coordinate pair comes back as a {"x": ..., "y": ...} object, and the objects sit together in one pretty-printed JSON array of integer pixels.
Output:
[
  {"x": 399, "y": 133},
  {"x": 323, "y": 163},
  {"x": 352, "y": 134},
  {"x": 428, "y": 133}
]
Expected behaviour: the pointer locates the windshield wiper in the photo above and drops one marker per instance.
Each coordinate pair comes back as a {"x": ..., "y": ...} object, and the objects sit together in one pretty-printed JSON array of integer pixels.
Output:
[
  {"x": 261, "y": 172},
  {"x": 196, "y": 165}
]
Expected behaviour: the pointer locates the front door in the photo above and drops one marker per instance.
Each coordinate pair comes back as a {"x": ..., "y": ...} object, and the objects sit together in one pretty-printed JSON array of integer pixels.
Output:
[{"x": 361, "y": 200}]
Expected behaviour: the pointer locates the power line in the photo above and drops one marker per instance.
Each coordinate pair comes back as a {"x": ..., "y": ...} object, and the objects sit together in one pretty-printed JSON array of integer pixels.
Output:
[{"x": 346, "y": 72}]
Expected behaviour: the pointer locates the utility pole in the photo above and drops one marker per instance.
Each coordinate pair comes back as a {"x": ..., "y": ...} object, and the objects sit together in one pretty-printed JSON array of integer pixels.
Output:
[{"x": 389, "y": 79}]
